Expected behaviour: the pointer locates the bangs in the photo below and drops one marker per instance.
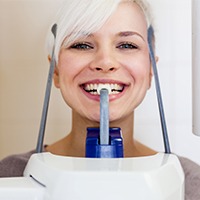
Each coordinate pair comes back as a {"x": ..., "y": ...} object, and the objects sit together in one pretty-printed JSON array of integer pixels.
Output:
[{"x": 81, "y": 18}]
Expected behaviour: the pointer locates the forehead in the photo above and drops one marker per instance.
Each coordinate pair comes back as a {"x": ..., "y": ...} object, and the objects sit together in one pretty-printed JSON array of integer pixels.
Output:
[{"x": 128, "y": 15}]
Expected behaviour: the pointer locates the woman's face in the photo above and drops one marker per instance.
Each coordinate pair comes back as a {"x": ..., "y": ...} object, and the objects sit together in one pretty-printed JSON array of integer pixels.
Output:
[{"x": 116, "y": 56}]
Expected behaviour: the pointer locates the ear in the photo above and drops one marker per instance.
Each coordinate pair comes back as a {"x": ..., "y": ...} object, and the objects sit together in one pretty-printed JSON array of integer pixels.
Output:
[
  {"x": 55, "y": 75},
  {"x": 151, "y": 71},
  {"x": 156, "y": 58},
  {"x": 49, "y": 58}
]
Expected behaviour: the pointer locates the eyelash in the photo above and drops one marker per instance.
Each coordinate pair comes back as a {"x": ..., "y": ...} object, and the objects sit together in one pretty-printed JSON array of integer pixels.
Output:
[
  {"x": 81, "y": 46},
  {"x": 127, "y": 45},
  {"x": 85, "y": 46}
]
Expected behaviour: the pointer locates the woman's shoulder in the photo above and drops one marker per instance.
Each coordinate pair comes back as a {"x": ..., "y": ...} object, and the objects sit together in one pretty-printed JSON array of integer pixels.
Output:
[
  {"x": 189, "y": 165},
  {"x": 14, "y": 165},
  {"x": 192, "y": 178}
]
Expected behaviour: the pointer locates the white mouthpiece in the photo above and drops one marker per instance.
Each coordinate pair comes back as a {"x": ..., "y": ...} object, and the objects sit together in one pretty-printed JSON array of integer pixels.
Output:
[{"x": 103, "y": 86}]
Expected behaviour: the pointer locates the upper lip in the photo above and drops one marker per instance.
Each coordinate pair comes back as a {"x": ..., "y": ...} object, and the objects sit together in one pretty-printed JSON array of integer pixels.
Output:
[{"x": 104, "y": 81}]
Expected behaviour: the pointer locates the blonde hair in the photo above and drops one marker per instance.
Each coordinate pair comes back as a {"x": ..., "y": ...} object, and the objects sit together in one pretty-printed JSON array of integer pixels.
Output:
[{"x": 77, "y": 18}]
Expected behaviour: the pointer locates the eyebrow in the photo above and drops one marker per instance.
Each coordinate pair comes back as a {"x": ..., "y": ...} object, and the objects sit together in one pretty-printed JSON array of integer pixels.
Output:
[
  {"x": 121, "y": 34},
  {"x": 129, "y": 33}
]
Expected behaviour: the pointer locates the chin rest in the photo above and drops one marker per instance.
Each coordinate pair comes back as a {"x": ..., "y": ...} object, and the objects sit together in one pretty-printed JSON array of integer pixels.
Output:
[{"x": 51, "y": 177}]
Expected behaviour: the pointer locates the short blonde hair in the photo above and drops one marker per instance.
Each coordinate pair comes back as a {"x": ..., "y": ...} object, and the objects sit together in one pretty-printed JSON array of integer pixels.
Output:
[{"x": 83, "y": 17}]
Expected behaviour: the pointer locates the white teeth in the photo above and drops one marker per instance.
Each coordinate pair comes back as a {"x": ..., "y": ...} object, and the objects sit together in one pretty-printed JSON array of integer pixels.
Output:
[
  {"x": 104, "y": 86},
  {"x": 95, "y": 88}
]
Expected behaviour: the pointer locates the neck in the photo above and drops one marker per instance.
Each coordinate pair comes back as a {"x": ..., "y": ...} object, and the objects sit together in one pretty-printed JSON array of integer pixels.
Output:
[
  {"x": 78, "y": 132},
  {"x": 74, "y": 143}
]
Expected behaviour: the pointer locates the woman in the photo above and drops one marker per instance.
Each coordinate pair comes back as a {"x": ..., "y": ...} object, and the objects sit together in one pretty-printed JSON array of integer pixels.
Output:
[
  {"x": 102, "y": 43},
  {"x": 103, "y": 50}
]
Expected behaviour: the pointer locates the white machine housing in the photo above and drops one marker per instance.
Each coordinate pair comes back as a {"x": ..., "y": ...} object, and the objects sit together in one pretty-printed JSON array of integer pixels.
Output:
[
  {"x": 195, "y": 67},
  {"x": 51, "y": 177}
]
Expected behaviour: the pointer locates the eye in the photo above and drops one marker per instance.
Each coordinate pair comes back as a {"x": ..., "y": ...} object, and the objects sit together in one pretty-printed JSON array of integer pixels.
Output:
[
  {"x": 81, "y": 46},
  {"x": 127, "y": 45}
]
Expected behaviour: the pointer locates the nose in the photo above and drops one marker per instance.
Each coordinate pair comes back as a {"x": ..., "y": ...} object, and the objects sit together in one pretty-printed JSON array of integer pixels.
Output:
[{"x": 104, "y": 61}]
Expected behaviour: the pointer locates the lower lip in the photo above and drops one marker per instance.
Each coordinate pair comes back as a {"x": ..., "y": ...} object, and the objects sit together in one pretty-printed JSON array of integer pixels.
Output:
[{"x": 112, "y": 97}]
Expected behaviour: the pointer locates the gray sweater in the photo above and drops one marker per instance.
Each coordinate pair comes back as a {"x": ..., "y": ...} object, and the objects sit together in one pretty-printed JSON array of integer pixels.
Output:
[{"x": 13, "y": 166}]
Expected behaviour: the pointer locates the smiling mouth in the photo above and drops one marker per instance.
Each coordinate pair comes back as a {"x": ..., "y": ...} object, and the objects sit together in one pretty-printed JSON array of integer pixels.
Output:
[{"x": 112, "y": 88}]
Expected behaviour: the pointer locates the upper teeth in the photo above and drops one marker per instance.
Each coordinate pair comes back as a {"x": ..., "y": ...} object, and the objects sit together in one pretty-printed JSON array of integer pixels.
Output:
[{"x": 95, "y": 88}]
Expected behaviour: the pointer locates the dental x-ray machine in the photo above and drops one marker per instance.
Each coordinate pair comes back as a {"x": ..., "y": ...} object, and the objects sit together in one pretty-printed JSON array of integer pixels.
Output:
[{"x": 103, "y": 173}]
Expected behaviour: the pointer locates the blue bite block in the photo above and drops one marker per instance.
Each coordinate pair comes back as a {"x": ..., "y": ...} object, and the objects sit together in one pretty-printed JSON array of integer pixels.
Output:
[{"x": 95, "y": 150}]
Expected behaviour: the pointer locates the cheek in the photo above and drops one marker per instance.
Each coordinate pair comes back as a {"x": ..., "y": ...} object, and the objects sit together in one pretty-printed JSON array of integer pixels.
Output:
[
  {"x": 71, "y": 65},
  {"x": 140, "y": 70},
  {"x": 66, "y": 66}
]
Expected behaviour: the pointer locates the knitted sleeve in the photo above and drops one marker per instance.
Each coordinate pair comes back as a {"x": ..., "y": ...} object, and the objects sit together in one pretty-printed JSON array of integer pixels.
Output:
[
  {"x": 192, "y": 179},
  {"x": 14, "y": 165}
]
